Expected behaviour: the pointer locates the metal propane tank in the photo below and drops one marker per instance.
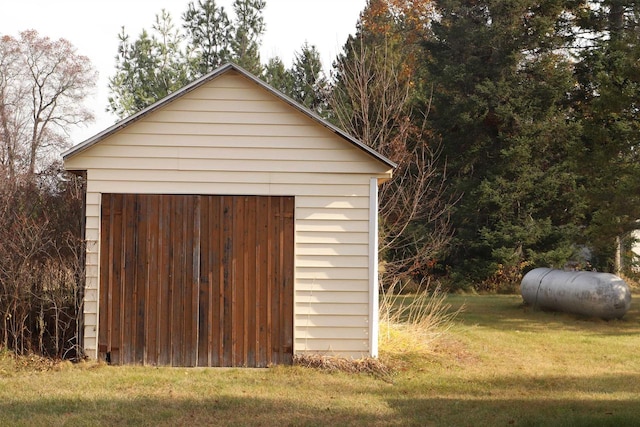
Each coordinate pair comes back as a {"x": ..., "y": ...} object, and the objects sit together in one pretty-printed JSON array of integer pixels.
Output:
[{"x": 588, "y": 293}]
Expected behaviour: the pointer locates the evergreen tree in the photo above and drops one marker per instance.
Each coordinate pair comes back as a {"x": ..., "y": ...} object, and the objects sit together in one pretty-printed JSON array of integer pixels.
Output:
[
  {"x": 608, "y": 104},
  {"x": 147, "y": 69},
  {"x": 247, "y": 33},
  {"x": 278, "y": 77},
  {"x": 164, "y": 59},
  {"x": 304, "y": 82},
  {"x": 501, "y": 107},
  {"x": 209, "y": 32},
  {"x": 308, "y": 83}
]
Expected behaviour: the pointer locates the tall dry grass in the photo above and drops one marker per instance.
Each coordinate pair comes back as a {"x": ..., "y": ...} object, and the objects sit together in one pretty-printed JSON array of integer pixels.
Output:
[{"x": 412, "y": 322}]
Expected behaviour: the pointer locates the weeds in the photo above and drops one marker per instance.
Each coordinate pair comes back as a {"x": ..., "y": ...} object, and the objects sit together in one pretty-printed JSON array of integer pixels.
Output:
[
  {"x": 366, "y": 365},
  {"x": 411, "y": 323}
]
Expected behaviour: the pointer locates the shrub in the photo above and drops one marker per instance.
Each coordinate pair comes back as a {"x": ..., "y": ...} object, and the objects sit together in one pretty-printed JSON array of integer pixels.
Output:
[{"x": 41, "y": 264}]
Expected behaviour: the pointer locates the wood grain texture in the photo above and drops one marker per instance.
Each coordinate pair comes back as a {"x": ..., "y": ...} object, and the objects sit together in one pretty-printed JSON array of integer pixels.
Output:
[{"x": 196, "y": 280}]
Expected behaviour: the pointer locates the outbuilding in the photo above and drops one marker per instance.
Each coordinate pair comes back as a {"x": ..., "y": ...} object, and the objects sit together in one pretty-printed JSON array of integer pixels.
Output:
[{"x": 227, "y": 225}]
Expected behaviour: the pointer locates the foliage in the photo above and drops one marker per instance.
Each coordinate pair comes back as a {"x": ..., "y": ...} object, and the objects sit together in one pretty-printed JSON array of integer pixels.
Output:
[
  {"x": 248, "y": 29},
  {"x": 305, "y": 81},
  {"x": 41, "y": 271},
  {"x": 607, "y": 105},
  {"x": 148, "y": 68},
  {"x": 500, "y": 105},
  {"x": 43, "y": 84},
  {"x": 208, "y": 28},
  {"x": 162, "y": 61},
  {"x": 277, "y": 76},
  {"x": 373, "y": 98},
  {"x": 309, "y": 85}
]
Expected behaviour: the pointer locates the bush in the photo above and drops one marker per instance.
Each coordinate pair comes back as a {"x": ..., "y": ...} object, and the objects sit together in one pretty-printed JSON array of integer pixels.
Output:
[{"x": 41, "y": 264}]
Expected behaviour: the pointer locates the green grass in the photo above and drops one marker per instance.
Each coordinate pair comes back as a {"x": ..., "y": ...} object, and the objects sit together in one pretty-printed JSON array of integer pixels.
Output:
[{"x": 499, "y": 364}]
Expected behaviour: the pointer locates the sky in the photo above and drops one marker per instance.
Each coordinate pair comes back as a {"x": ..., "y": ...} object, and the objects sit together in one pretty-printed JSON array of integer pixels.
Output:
[{"x": 92, "y": 26}]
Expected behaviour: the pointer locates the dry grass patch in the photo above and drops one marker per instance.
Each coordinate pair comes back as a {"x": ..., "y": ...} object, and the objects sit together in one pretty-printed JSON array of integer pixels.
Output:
[
  {"x": 366, "y": 365},
  {"x": 414, "y": 323},
  {"x": 11, "y": 364}
]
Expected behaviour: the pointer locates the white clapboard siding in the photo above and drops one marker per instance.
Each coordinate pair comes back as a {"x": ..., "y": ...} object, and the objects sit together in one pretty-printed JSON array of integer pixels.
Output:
[
  {"x": 335, "y": 346},
  {"x": 342, "y": 285},
  {"x": 331, "y": 273},
  {"x": 324, "y": 249},
  {"x": 306, "y": 322},
  {"x": 231, "y": 136},
  {"x": 327, "y": 332},
  {"x": 326, "y": 142},
  {"x": 336, "y": 297}
]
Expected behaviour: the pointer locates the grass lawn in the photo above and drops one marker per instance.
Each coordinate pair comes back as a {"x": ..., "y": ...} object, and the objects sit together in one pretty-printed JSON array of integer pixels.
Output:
[{"x": 500, "y": 364}]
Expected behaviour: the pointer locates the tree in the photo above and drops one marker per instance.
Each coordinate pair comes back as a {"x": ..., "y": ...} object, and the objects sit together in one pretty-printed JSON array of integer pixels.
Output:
[
  {"x": 607, "y": 106},
  {"x": 373, "y": 99},
  {"x": 308, "y": 83},
  {"x": 305, "y": 81},
  {"x": 164, "y": 60},
  {"x": 148, "y": 69},
  {"x": 41, "y": 269},
  {"x": 209, "y": 32},
  {"x": 42, "y": 88},
  {"x": 277, "y": 76},
  {"x": 501, "y": 106},
  {"x": 43, "y": 84},
  {"x": 248, "y": 29}
]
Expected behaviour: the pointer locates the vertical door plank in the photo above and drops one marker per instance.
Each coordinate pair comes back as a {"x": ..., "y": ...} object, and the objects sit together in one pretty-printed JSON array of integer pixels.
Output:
[
  {"x": 237, "y": 282},
  {"x": 204, "y": 282},
  {"x": 227, "y": 286},
  {"x": 116, "y": 281},
  {"x": 288, "y": 243},
  {"x": 140, "y": 279},
  {"x": 152, "y": 285},
  {"x": 276, "y": 260},
  {"x": 250, "y": 285},
  {"x": 262, "y": 284},
  {"x": 217, "y": 283},
  {"x": 195, "y": 281},
  {"x": 165, "y": 271},
  {"x": 188, "y": 351}
]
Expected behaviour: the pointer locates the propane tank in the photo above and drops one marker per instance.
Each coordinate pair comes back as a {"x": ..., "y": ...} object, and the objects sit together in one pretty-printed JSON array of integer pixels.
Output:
[{"x": 588, "y": 293}]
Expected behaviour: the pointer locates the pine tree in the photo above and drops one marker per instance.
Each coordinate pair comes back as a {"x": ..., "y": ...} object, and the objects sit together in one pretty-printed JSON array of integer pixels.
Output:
[
  {"x": 277, "y": 76},
  {"x": 247, "y": 33},
  {"x": 308, "y": 82},
  {"x": 607, "y": 105},
  {"x": 149, "y": 68},
  {"x": 208, "y": 30},
  {"x": 501, "y": 107},
  {"x": 165, "y": 59}
]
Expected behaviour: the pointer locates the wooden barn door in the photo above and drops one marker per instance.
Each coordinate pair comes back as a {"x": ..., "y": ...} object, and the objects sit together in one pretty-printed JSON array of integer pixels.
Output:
[{"x": 196, "y": 280}]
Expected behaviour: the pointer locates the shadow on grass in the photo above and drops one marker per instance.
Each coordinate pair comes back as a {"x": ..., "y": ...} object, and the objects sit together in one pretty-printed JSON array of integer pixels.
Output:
[
  {"x": 554, "y": 387},
  {"x": 221, "y": 410},
  {"x": 238, "y": 411},
  {"x": 517, "y": 412}
]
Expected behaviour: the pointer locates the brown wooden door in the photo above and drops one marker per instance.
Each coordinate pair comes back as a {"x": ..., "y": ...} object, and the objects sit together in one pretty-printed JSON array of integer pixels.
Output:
[{"x": 196, "y": 280}]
